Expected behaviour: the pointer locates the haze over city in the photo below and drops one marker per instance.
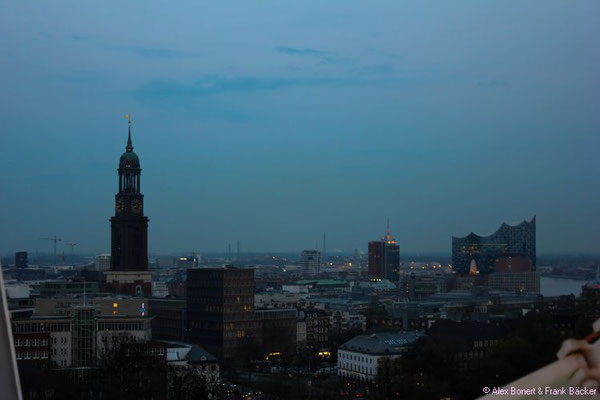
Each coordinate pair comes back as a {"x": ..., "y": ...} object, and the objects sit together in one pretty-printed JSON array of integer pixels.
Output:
[{"x": 272, "y": 123}]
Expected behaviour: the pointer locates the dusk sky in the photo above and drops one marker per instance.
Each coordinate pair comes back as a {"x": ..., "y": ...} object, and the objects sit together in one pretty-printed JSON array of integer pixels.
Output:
[{"x": 272, "y": 122}]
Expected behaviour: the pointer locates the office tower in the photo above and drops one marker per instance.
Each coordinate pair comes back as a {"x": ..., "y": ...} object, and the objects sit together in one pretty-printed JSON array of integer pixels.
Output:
[
  {"x": 102, "y": 262},
  {"x": 21, "y": 259},
  {"x": 384, "y": 258},
  {"x": 310, "y": 262},
  {"x": 220, "y": 307},
  {"x": 508, "y": 243},
  {"x": 129, "y": 230}
]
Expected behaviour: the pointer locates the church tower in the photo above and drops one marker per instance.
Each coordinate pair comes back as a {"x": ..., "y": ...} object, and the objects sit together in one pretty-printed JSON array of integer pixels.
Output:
[
  {"x": 129, "y": 226},
  {"x": 129, "y": 231}
]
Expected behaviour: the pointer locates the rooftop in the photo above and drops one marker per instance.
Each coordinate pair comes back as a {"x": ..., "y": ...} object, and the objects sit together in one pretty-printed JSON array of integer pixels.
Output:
[
  {"x": 382, "y": 342},
  {"x": 321, "y": 282},
  {"x": 178, "y": 351}
]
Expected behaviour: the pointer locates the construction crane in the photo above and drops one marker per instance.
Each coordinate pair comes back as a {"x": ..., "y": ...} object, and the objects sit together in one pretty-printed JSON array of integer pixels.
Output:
[
  {"x": 54, "y": 239},
  {"x": 72, "y": 252}
]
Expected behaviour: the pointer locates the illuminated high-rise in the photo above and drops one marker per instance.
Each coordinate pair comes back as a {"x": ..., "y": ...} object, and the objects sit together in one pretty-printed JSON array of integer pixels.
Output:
[{"x": 384, "y": 258}]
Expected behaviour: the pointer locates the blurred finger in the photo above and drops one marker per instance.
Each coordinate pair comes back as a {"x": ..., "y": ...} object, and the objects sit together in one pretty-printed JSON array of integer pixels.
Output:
[
  {"x": 585, "y": 377},
  {"x": 590, "y": 384},
  {"x": 569, "y": 346}
]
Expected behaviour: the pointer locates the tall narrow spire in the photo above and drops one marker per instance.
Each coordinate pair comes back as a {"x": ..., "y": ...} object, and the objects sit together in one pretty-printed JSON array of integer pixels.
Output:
[
  {"x": 129, "y": 146},
  {"x": 388, "y": 238}
]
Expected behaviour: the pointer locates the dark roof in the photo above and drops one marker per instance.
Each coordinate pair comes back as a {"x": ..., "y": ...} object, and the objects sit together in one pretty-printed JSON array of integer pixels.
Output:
[
  {"x": 469, "y": 330},
  {"x": 504, "y": 226},
  {"x": 382, "y": 342},
  {"x": 194, "y": 354},
  {"x": 197, "y": 354}
]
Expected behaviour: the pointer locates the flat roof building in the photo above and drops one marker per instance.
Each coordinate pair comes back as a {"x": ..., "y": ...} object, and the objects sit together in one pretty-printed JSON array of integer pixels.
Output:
[
  {"x": 310, "y": 262},
  {"x": 220, "y": 307}
]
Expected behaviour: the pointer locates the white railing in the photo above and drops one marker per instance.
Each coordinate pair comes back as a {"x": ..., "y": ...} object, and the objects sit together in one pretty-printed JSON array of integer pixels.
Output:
[
  {"x": 576, "y": 371},
  {"x": 10, "y": 387}
]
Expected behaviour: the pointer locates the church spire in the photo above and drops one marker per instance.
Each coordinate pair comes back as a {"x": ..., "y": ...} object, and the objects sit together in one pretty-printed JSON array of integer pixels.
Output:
[{"x": 129, "y": 146}]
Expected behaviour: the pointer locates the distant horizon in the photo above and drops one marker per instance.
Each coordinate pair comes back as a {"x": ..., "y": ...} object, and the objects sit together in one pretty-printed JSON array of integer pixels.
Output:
[{"x": 151, "y": 254}]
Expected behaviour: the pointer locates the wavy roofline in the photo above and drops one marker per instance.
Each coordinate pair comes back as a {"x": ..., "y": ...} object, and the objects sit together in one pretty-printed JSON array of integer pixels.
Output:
[{"x": 525, "y": 221}]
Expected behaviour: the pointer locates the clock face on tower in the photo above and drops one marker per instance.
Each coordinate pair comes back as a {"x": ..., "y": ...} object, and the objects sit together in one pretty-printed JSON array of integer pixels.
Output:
[
  {"x": 119, "y": 205},
  {"x": 136, "y": 206}
]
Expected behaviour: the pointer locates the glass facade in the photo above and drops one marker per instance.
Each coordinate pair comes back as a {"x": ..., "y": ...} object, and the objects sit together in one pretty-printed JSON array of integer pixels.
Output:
[
  {"x": 84, "y": 336},
  {"x": 484, "y": 250}
]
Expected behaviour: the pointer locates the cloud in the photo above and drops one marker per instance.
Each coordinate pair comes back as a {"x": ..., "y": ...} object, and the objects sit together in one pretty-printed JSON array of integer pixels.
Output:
[
  {"x": 213, "y": 85},
  {"x": 306, "y": 52},
  {"x": 301, "y": 52},
  {"x": 142, "y": 51}
]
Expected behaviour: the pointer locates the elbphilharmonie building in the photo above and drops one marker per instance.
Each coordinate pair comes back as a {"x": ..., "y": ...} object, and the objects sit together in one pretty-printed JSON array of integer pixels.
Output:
[{"x": 482, "y": 252}]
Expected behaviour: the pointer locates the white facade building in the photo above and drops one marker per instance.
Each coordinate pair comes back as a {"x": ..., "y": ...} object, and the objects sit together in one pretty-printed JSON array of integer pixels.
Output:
[
  {"x": 112, "y": 331},
  {"x": 52, "y": 337},
  {"x": 310, "y": 262},
  {"x": 360, "y": 357},
  {"x": 102, "y": 262}
]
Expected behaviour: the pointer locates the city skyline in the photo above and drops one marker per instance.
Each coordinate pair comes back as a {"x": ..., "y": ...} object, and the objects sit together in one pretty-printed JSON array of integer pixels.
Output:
[{"x": 419, "y": 120}]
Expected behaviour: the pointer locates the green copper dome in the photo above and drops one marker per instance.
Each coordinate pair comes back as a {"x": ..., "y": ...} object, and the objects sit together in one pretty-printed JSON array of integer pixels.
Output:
[{"x": 129, "y": 159}]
